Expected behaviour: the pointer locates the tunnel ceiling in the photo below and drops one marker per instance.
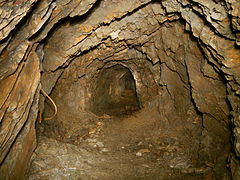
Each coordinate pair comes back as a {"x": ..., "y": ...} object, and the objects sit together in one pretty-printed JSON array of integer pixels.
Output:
[{"x": 182, "y": 53}]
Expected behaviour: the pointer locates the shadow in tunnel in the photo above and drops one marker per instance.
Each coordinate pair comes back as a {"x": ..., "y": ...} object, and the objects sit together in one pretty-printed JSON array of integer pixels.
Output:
[{"x": 114, "y": 92}]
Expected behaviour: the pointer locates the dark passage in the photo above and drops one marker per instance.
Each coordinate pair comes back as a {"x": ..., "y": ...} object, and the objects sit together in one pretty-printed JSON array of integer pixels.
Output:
[{"x": 114, "y": 92}]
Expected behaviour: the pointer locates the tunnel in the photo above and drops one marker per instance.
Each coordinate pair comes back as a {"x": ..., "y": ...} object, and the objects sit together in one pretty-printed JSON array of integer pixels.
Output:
[
  {"x": 106, "y": 89},
  {"x": 114, "y": 92}
]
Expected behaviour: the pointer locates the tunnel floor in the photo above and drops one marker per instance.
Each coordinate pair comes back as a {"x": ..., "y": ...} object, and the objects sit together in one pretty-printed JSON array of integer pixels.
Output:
[{"x": 138, "y": 146}]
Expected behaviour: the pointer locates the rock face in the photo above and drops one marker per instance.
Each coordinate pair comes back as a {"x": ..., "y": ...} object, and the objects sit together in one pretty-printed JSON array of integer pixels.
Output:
[{"x": 92, "y": 56}]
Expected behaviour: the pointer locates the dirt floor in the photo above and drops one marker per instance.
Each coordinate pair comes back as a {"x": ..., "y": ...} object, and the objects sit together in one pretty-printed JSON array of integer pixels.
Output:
[{"x": 137, "y": 146}]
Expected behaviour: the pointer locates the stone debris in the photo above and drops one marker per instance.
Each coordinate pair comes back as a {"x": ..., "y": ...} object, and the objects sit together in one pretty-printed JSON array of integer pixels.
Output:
[
  {"x": 144, "y": 151},
  {"x": 99, "y": 144},
  {"x": 138, "y": 154}
]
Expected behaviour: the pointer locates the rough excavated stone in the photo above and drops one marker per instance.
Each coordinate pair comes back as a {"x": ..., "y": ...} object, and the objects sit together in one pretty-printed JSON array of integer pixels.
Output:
[
  {"x": 186, "y": 51},
  {"x": 20, "y": 76},
  {"x": 12, "y": 12},
  {"x": 21, "y": 150},
  {"x": 17, "y": 126},
  {"x": 174, "y": 55}
]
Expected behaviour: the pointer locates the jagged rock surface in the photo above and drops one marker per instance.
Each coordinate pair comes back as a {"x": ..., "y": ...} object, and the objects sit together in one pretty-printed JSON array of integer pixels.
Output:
[{"x": 188, "y": 51}]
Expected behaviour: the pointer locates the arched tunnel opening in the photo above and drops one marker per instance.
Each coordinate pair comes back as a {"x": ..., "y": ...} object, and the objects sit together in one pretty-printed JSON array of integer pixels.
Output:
[
  {"x": 114, "y": 92},
  {"x": 119, "y": 89},
  {"x": 126, "y": 106}
]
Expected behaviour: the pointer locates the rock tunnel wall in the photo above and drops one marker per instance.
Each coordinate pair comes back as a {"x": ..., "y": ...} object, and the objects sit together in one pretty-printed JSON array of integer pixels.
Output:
[{"x": 181, "y": 55}]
